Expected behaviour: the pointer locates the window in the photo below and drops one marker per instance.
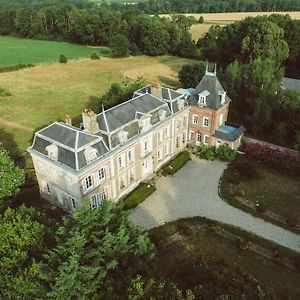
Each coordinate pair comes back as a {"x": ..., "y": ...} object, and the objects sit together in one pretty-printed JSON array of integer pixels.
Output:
[
  {"x": 166, "y": 149},
  {"x": 87, "y": 183},
  {"x": 130, "y": 155},
  {"x": 195, "y": 119},
  {"x": 198, "y": 137},
  {"x": 206, "y": 139},
  {"x": 158, "y": 137},
  {"x": 167, "y": 132},
  {"x": 180, "y": 103},
  {"x": 123, "y": 136},
  {"x": 131, "y": 175},
  {"x": 183, "y": 138},
  {"x": 202, "y": 100},
  {"x": 97, "y": 199},
  {"x": 184, "y": 121},
  {"x": 121, "y": 182},
  {"x": 90, "y": 154},
  {"x": 121, "y": 161},
  {"x": 178, "y": 125},
  {"x": 162, "y": 114},
  {"x": 177, "y": 142},
  {"x": 72, "y": 202},
  {"x": 191, "y": 135},
  {"x": 52, "y": 151},
  {"x": 205, "y": 122},
  {"x": 146, "y": 146},
  {"x": 99, "y": 176},
  {"x": 159, "y": 157}
]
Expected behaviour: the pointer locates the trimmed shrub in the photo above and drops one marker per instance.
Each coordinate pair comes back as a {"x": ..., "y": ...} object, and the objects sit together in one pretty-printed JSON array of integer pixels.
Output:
[
  {"x": 201, "y": 20},
  {"x": 176, "y": 164},
  {"x": 208, "y": 153},
  {"x": 94, "y": 56},
  {"x": 63, "y": 59},
  {"x": 246, "y": 169},
  {"x": 225, "y": 153}
]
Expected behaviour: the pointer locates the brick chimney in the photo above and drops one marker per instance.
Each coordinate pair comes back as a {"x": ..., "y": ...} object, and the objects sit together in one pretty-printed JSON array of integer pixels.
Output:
[
  {"x": 68, "y": 120},
  {"x": 89, "y": 119},
  {"x": 156, "y": 91}
]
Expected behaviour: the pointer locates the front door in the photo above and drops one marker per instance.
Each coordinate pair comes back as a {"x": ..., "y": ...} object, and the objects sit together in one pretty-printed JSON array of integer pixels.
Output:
[{"x": 147, "y": 166}]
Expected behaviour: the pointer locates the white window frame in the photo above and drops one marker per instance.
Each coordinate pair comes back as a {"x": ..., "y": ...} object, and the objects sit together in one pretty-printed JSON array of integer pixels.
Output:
[
  {"x": 87, "y": 183},
  {"x": 130, "y": 155},
  {"x": 72, "y": 201},
  {"x": 192, "y": 134},
  {"x": 166, "y": 150},
  {"x": 122, "y": 180},
  {"x": 159, "y": 136},
  {"x": 206, "y": 139},
  {"x": 131, "y": 174},
  {"x": 205, "y": 122},
  {"x": 48, "y": 188},
  {"x": 185, "y": 121},
  {"x": 195, "y": 119},
  {"x": 199, "y": 137},
  {"x": 183, "y": 138},
  {"x": 167, "y": 132},
  {"x": 121, "y": 161},
  {"x": 159, "y": 154},
  {"x": 97, "y": 199},
  {"x": 177, "y": 142}
]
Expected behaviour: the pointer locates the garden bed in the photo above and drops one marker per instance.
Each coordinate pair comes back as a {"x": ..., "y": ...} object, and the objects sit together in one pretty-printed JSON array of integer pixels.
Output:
[
  {"x": 176, "y": 164},
  {"x": 137, "y": 196}
]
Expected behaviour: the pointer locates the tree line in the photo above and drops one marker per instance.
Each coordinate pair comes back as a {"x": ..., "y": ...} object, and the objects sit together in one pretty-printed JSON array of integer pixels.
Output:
[
  {"x": 211, "y": 6},
  {"x": 100, "y": 26},
  {"x": 253, "y": 56}
]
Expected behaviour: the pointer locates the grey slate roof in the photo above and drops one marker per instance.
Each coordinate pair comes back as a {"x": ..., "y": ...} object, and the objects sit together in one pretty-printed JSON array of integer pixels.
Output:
[
  {"x": 121, "y": 115},
  {"x": 230, "y": 135},
  {"x": 167, "y": 94},
  {"x": 290, "y": 84},
  {"x": 71, "y": 143},
  {"x": 209, "y": 83}
]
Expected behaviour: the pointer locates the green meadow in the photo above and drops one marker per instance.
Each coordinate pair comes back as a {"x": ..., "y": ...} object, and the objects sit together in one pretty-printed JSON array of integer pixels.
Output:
[{"x": 14, "y": 51}]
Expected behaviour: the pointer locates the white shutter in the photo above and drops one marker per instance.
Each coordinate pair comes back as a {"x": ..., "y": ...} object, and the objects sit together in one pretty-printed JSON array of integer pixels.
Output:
[{"x": 96, "y": 178}]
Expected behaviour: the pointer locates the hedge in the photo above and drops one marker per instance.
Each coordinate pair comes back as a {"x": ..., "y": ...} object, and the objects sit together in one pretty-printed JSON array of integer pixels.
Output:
[{"x": 176, "y": 164}]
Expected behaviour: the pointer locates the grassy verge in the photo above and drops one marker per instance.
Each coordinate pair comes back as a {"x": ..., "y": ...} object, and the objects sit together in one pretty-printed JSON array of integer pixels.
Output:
[
  {"x": 205, "y": 257},
  {"x": 275, "y": 191},
  {"x": 143, "y": 191},
  {"x": 176, "y": 164}
]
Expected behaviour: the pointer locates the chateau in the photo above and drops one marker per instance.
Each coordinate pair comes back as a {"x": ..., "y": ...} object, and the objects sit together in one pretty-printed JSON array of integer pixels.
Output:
[{"x": 124, "y": 145}]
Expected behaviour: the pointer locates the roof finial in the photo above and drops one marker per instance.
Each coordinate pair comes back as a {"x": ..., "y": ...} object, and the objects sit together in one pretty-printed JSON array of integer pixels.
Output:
[{"x": 215, "y": 70}]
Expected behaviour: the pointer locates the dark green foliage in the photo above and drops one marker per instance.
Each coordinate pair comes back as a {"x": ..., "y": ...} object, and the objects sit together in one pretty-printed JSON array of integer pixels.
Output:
[
  {"x": 22, "y": 242},
  {"x": 63, "y": 59},
  {"x": 94, "y": 56},
  {"x": 176, "y": 164},
  {"x": 119, "y": 45},
  {"x": 4, "y": 92},
  {"x": 15, "y": 68},
  {"x": 246, "y": 169},
  {"x": 201, "y": 20},
  {"x": 11, "y": 176},
  {"x": 98, "y": 253},
  {"x": 224, "y": 152},
  {"x": 191, "y": 74},
  {"x": 260, "y": 207},
  {"x": 136, "y": 197},
  {"x": 208, "y": 153}
]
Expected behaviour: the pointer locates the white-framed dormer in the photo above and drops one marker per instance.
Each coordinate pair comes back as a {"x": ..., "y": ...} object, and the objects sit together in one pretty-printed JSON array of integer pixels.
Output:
[
  {"x": 145, "y": 122},
  {"x": 52, "y": 151},
  {"x": 90, "y": 154},
  {"x": 222, "y": 95},
  {"x": 123, "y": 136},
  {"x": 202, "y": 98},
  {"x": 180, "y": 103}
]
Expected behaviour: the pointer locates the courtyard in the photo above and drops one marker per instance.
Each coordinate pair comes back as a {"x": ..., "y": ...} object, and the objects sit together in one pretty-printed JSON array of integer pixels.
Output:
[{"x": 193, "y": 191}]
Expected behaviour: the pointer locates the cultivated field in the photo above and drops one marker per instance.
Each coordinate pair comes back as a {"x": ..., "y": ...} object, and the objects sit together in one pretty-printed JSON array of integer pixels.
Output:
[
  {"x": 24, "y": 51},
  {"x": 225, "y": 18},
  {"x": 46, "y": 93}
]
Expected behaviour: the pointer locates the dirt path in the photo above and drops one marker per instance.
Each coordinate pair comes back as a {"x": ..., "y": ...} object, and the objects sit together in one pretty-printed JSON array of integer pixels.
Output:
[{"x": 15, "y": 125}]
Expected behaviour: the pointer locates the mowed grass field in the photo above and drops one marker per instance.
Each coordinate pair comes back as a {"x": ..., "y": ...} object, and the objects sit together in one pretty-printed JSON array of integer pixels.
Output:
[
  {"x": 223, "y": 19},
  {"x": 15, "y": 51},
  {"x": 46, "y": 93}
]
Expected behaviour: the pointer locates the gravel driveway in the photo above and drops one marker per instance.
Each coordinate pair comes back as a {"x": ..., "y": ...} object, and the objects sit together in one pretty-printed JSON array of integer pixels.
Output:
[{"x": 193, "y": 191}]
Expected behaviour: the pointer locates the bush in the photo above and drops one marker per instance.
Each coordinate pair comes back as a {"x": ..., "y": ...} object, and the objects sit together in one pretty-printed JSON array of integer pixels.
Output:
[
  {"x": 94, "y": 56},
  {"x": 120, "y": 45},
  {"x": 241, "y": 193},
  {"x": 201, "y": 20},
  {"x": 134, "y": 50},
  {"x": 176, "y": 164},
  {"x": 4, "y": 92},
  {"x": 246, "y": 169},
  {"x": 208, "y": 153},
  {"x": 225, "y": 153},
  {"x": 63, "y": 59}
]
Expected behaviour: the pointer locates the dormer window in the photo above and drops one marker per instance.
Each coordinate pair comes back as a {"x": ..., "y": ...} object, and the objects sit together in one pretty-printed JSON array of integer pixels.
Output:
[
  {"x": 202, "y": 98},
  {"x": 162, "y": 114},
  {"x": 90, "y": 154},
  {"x": 180, "y": 104},
  {"x": 123, "y": 136},
  {"x": 52, "y": 151},
  {"x": 222, "y": 95},
  {"x": 145, "y": 123}
]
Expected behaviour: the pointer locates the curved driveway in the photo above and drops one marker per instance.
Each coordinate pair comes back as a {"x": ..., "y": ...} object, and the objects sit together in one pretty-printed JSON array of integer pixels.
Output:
[{"x": 193, "y": 191}]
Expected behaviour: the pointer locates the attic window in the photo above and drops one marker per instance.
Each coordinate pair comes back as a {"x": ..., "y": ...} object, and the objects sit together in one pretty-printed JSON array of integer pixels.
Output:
[
  {"x": 180, "y": 104},
  {"x": 52, "y": 151},
  {"x": 222, "y": 95},
  {"x": 162, "y": 114},
  {"x": 123, "y": 136},
  {"x": 90, "y": 154},
  {"x": 145, "y": 123},
  {"x": 202, "y": 98}
]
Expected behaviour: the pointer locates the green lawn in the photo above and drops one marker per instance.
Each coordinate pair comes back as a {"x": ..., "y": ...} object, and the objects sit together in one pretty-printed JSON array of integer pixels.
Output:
[
  {"x": 203, "y": 257},
  {"x": 176, "y": 164},
  {"x": 142, "y": 192},
  {"x": 16, "y": 51},
  {"x": 277, "y": 191}
]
